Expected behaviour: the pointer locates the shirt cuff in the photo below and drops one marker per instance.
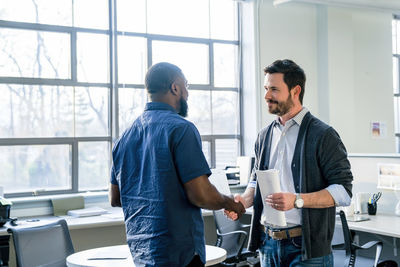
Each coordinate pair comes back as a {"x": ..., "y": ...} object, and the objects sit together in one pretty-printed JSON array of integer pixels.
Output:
[
  {"x": 252, "y": 184},
  {"x": 339, "y": 195}
]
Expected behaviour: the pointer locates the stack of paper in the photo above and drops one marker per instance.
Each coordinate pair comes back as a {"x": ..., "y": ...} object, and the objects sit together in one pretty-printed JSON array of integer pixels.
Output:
[
  {"x": 93, "y": 211},
  {"x": 219, "y": 180},
  {"x": 269, "y": 183}
]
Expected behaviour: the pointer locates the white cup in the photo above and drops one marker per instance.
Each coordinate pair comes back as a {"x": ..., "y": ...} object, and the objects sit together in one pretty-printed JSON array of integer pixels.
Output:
[
  {"x": 361, "y": 202},
  {"x": 349, "y": 210}
]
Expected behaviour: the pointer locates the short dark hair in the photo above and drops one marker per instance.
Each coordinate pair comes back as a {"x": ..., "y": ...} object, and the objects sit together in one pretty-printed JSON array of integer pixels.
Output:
[
  {"x": 292, "y": 74},
  {"x": 160, "y": 76}
]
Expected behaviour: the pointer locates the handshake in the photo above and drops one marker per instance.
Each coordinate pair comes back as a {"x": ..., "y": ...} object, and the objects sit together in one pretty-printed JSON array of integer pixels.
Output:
[{"x": 236, "y": 208}]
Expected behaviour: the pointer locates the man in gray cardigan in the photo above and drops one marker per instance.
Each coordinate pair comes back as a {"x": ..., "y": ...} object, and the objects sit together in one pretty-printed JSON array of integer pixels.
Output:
[{"x": 314, "y": 174}]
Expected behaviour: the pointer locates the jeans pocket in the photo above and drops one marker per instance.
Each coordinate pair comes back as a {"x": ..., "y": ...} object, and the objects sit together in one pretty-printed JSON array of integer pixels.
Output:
[{"x": 296, "y": 242}]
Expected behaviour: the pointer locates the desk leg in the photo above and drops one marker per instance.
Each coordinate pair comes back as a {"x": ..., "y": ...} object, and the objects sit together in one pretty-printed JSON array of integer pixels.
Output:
[
  {"x": 395, "y": 246},
  {"x": 4, "y": 250},
  {"x": 356, "y": 238}
]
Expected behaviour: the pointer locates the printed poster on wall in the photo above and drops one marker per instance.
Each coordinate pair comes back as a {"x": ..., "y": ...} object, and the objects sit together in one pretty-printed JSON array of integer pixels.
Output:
[
  {"x": 378, "y": 130},
  {"x": 389, "y": 176}
]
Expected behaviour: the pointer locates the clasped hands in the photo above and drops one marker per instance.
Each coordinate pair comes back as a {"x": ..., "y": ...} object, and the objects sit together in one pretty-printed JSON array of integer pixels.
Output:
[
  {"x": 236, "y": 209},
  {"x": 282, "y": 201}
]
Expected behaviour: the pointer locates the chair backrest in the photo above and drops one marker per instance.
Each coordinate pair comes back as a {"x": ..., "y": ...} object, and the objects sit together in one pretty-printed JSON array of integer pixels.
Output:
[
  {"x": 351, "y": 259},
  {"x": 46, "y": 245},
  {"x": 348, "y": 238},
  {"x": 232, "y": 243}
]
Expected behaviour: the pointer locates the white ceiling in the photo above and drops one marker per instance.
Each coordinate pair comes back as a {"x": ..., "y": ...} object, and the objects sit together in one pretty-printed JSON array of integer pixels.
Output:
[{"x": 392, "y": 6}]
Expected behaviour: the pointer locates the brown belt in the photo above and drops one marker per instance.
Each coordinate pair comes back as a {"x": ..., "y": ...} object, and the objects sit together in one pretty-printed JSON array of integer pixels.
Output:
[{"x": 283, "y": 234}]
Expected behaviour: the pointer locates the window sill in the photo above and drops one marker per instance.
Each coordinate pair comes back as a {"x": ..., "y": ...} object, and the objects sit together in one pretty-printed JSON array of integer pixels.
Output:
[{"x": 41, "y": 205}]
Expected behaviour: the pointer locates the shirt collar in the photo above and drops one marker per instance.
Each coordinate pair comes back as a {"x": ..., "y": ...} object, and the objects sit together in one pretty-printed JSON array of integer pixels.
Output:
[
  {"x": 158, "y": 106},
  {"x": 298, "y": 118}
]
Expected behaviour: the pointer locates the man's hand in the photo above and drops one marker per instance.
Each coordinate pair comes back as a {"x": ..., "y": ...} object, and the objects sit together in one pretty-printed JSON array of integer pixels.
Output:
[
  {"x": 281, "y": 201},
  {"x": 232, "y": 214}
]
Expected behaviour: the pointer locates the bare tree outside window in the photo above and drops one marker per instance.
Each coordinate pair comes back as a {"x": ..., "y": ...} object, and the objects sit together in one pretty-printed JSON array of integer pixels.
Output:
[{"x": 56, "y": 91}]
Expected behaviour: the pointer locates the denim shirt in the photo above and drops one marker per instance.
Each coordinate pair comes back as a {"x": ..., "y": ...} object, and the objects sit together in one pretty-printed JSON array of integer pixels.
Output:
[{"x": 152, "y": 161}]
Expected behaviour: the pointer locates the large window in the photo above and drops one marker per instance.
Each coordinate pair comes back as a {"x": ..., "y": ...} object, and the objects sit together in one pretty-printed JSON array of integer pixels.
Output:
[{"x": 72, "y": 80}]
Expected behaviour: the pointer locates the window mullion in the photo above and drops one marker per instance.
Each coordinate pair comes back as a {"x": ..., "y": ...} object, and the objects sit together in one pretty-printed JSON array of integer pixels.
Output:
[{"x": 75, "y": 166}]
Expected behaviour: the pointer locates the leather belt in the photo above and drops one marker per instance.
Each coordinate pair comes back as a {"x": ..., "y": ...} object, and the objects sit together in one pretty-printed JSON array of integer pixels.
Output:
[{"x": 280, "y": 234}]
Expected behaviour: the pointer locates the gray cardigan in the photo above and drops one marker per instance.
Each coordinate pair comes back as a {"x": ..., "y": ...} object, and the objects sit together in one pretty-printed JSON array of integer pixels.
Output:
[{"x": 319, "y": 160}]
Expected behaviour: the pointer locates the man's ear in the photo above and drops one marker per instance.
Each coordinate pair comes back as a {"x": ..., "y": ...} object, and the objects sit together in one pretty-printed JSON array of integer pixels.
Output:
[
  {"x": 174, "y": 88},
  {"x": 296, "y": 91}
]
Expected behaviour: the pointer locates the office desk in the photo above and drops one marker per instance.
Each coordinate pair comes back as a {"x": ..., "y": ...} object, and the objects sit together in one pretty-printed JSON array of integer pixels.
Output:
[
  {"x": 84, "y": 231},
  {"x": 380, "y": 224},
  {"x": 120, "y": 256}
]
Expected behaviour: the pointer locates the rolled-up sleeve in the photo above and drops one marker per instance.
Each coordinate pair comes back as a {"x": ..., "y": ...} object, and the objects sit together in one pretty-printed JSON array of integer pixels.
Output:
[
  {"x": 336, "y": 168},
  {"x": 339, "y": 195}
]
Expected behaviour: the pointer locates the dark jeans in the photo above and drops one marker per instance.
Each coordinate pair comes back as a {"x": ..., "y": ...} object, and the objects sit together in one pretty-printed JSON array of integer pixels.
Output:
[
  {"x": 196, "y": 262},
  {"x": 287, "y": 253}
]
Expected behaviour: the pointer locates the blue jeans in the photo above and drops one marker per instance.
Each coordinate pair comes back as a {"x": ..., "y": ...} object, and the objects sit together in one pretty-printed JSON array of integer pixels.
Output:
[{"x": 287, "y": 252}]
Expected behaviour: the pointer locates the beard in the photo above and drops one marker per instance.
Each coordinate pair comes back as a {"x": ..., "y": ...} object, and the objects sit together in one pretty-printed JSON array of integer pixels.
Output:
[
  {"x": 281, "y": 107},
  {"x": 183, "y": 111}
]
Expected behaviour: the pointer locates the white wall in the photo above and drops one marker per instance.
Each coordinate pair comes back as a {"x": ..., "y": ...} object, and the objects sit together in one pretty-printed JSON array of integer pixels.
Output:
[
  {"x": 346, "y": 54},
  {"x": 289, "y": 31}
]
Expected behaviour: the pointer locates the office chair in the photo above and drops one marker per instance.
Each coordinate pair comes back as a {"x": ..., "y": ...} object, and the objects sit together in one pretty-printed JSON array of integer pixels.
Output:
[
  {"x": 350, "y": 248},
  {"x": 232, "y": 237},
  {"x": 46, "y": 245}
]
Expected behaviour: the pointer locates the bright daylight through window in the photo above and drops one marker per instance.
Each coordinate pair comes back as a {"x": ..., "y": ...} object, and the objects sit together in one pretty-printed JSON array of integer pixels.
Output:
[{"x": 72, "y": 80}]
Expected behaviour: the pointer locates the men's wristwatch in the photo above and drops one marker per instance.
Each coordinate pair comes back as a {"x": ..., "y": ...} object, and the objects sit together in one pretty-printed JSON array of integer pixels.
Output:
[{"x": 299, "y": 202}]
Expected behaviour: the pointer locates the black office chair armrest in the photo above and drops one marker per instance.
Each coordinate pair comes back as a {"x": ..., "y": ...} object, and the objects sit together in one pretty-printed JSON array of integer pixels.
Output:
[{"x": 239, "y": 253}]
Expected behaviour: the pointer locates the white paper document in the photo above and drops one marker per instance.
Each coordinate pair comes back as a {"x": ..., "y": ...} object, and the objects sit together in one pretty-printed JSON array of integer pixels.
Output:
[
  {"x": 269, "y": 183},
  {"x": 93, "y": 211},
  {"x": 219, "y": 180}
]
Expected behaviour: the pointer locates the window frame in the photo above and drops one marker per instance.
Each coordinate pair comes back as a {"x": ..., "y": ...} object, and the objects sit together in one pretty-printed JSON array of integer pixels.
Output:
[
  {"x": 113, "y": 85},
  {"x": 396, "y": 95}
]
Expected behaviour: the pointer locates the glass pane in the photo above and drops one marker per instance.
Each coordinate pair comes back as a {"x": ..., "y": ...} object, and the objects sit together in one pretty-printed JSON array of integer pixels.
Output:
[
  {"x": 131, "y": 15},
  {"x": 397, "y": 37},
  {"x": 93, "y": 57},
  {"x": 38, "y": 11},
  {"x": 394, "y": 37},
  {"x": 91, "y": 111},
  {"x": 36, "y": 111},
  {"x": 191, "y": 58},
  {"x": 178, "y": 17},
  {"x": 225, "y": 109},
  {"x": 396, "y": 75},
  {"x": 94, "y": 161},
  {"x": 223, "y": 15},
  {"x": 199, "y": 113},
  {"x": 131, "y": 105},
  {"x": 225, "y": 65},
  {"x": 396, "y": 115},
  {"x": 226, "y": 150},
  {"x": 39, "y": 167},
  {"x": 132, "y": 59},
  {"x": 207, "y": 151},
  {"x": 91, "y": 14},
  {"x": 34, "y": 54}
]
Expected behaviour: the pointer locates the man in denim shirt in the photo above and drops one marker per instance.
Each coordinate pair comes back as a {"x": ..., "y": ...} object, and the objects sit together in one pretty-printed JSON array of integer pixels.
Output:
[
  {"x": 160, "y": 178},
  {"x": 314, "y": 176}
]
